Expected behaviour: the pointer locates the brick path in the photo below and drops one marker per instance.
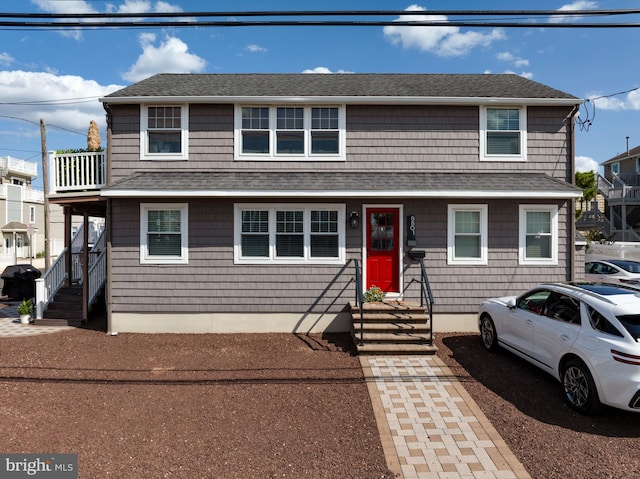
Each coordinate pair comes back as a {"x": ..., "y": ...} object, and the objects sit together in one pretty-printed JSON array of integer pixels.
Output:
[{"x": 429, "y": 425}]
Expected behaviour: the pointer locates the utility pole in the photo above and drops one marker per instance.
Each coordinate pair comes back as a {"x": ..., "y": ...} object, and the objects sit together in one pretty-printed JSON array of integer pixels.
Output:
[{"x": 45, "y": 182}]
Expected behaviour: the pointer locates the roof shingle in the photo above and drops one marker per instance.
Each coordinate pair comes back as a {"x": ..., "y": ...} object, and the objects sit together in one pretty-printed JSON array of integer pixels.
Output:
[
  {"x": 340, "y": 85},
  {"x": 317, "y": 183}
]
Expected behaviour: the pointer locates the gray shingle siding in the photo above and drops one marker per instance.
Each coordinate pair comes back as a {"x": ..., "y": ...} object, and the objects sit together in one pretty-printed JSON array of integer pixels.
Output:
[
  {"x": 212, "y": 283},
  {"x": 421, "y": 138}
]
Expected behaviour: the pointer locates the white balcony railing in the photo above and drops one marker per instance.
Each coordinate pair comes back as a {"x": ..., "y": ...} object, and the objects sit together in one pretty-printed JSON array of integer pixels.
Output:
[
  {"x": 77, "y": 171},
  {"x": 11, "y": 165},
  {"x": 29, "y": 195}
]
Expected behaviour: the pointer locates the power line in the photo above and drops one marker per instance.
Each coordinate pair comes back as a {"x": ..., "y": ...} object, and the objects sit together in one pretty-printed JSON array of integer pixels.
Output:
[
  {"x": 57, "y": 21},
  {"x": 62, "y": 101},
  {"x": 270, "y": 23},
  {"x": 613, "y": 94},
  {"x": 331, "y": 13},
  {"x": 38, "y": 123}
]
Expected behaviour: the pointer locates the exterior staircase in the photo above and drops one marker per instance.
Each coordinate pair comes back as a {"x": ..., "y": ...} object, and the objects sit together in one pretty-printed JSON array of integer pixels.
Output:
[
  {"x": 392, "y": 328},
  {"x": 65, "y": 309}
]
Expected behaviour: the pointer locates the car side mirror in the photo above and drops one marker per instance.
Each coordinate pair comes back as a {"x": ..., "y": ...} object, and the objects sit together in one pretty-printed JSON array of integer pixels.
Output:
[{"x": 511, "y": 304}]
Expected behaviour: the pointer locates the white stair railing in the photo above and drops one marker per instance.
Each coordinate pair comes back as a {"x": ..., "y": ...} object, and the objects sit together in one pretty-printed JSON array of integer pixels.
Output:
[
  {"x": 48, "y": 285},
  {"x": 97, "y": 277}
]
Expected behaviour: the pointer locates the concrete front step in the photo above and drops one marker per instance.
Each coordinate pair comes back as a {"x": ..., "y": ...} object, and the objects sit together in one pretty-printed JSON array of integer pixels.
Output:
[
  {"x": 395, "y": 349},
  {"x": 387, "y": 307},
  {"x": 397, "y": 337},
  {"x": 391, "y": 327},
  {"x": 390, "y": 317}
]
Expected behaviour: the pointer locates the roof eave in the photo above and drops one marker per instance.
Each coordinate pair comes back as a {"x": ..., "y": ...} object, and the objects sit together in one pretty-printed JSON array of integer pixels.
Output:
[
  {"x": 408, "y": 194},
  {"x": 379, "y": 100}
]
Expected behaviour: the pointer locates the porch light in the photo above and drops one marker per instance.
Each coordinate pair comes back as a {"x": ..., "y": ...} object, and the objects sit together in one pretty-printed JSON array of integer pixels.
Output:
[{"x": 354, "y": 219}]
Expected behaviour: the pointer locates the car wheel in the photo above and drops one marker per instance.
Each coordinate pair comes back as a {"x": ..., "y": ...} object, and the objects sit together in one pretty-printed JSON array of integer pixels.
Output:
[
  {"x": 579, "y": 389},
  {"x": 488, "y": 333}
]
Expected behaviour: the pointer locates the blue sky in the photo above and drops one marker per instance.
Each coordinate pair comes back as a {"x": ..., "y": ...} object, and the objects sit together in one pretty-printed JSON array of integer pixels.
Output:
[{"x": 65, "y": 72}]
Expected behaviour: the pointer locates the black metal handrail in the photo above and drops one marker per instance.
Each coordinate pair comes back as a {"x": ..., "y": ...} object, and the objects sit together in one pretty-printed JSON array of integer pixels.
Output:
[
  {"x": 426, "y": 294},
  {"x": 359, "y": 299}
]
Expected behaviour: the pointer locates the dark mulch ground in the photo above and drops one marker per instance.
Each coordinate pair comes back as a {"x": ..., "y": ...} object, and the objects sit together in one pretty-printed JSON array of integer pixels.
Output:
[
  {"x": 526, "y": 406},
  {"x": 266, "y": 406},
  {"x": 190, "y": 406}
]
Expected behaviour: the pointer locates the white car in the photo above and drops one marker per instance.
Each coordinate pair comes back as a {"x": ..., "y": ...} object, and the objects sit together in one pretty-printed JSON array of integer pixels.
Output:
[
  {"x": 613, "y": 271},
  {"x": 585, "y": 335}
]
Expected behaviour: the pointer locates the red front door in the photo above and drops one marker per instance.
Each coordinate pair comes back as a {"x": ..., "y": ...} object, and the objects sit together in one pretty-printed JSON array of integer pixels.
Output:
[{"x": 383, "y": 259}]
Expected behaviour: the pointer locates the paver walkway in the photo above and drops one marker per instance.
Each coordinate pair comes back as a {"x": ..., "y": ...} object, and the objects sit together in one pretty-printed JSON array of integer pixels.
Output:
[
  {"x": 429, "y": 425},
  {"x": 10, "y": 323}
]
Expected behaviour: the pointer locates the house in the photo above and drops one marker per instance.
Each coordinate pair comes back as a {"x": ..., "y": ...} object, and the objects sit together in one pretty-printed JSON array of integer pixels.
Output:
[
  {"x": 22, "y": 213},
  {"x": 254, "y": 202},
  {"x": 620, "y": 187}
]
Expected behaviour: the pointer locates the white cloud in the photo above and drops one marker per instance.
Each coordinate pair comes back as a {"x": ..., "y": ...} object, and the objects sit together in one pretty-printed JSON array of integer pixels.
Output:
[
  {"x": 528, "y": 75},
  {"x": 577, "y": 5},
  {"x": 81, "y": 7},
  {"x": 586, "y": 163},
  {"x": 6, "y": 59},
  {"x": 255, "y": 49},
  {"x": 146, "y": 6},
  {"x": 70, "y": 6},
  {"x": 135, "y": 6},
  {"x": 171, "y": 56},
  {"x": 445, "y": 41},
  {"x": 516, "y": 61},
  {"x": 323, "y": 70},
  {"x": 67, "y": 101}
]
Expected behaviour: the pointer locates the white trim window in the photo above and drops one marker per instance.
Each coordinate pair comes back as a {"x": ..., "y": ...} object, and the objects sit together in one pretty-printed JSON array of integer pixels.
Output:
[
  {"x": 467, "y": 234},
  {"x": 283, "y": 234},
  {"x": 164, "y": 132},
  {"x": 538, "y": 234},
  {"x": 289, "y": 132},
  {"x": 615, "y": 168},
  {"x": 503, "y": 133},
  {"x": 32, "y": 214},
  {"x": 164, "y": 235}
]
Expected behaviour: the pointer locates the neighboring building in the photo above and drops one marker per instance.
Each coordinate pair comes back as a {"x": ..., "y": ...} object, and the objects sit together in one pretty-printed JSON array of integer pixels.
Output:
[
  {"x": 21, "y": 212},
  {"x": 620, "y": 188},
  {"x": 240, "y": 202}
]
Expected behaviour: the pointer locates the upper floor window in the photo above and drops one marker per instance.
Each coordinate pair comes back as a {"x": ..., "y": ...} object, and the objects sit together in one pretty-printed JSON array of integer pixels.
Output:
[
  {"x": 290, "y": 133},
  {"x": 615, "y": 168},
  {"x": 503, "y": 133},
  {"x": 164, "y": 132},
  {"x": 538, "y": 234},
  {"x": 17, "y": 181},
  {"x": 467, "y": 243},
  {"x": 266, "y": 233}
]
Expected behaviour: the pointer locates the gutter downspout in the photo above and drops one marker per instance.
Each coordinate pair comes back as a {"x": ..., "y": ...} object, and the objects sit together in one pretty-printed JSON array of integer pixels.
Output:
[
  {"x": 572, "y": 209},
  {"x": 108, "y": 225}
]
